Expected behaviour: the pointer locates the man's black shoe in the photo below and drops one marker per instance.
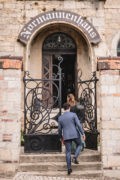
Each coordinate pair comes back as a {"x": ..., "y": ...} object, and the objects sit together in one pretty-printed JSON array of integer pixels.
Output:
[
  {"x": 75, "y": 161},
  {"x": 69, "y": 171},
  {"x": 82, "y": 148}
]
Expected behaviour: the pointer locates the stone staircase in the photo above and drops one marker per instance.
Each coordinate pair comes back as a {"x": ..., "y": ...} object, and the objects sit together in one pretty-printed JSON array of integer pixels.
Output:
[{"x": 54, "y": 165}]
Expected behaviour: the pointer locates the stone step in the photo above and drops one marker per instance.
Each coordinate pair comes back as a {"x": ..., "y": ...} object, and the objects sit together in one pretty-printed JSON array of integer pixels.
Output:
[
  {"x": 59, "y": 158},
  {"x": 58, "y": 166},
  {"x": 54, "y": 165},
  {"x": 85, "y": 156}
]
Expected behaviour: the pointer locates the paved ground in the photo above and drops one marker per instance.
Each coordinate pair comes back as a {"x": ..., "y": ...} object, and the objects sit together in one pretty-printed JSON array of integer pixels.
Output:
[
  {"x": 29, "y": 177},
  {"x": 108, "y": 175},
  {"x": 112, "y": 174}
]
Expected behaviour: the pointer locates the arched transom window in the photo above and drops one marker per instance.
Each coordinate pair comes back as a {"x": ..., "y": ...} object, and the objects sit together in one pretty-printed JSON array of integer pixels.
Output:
[{"x": 59, "y": 42}]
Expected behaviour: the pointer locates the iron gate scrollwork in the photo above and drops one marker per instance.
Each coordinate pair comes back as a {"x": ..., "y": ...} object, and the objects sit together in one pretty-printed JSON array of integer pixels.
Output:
[
  {"x": 87, "y": 98},
  {"x": 40, "y": 110}
]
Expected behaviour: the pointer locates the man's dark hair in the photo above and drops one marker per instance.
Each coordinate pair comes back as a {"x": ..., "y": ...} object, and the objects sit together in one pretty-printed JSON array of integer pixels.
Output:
[{"x": 66, "y": 106}]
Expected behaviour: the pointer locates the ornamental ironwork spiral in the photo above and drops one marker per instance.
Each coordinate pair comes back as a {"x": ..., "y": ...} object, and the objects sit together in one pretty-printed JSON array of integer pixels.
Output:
[
  {"x": 40, "y": 104},
  {"x": 87, "y": 98}
]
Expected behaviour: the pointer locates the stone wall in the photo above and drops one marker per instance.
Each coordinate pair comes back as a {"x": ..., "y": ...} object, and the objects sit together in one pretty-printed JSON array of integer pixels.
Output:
[
  {"x": 10, "y": 113},
  {"x": 109, "y": 79},
  {"x": 104, "y": 15}
]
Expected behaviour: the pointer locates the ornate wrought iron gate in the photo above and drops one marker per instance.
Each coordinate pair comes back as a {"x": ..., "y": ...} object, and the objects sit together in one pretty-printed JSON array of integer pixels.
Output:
[
  {"x": 41, "y": 107},
  {"x": 87, "y": 100}
]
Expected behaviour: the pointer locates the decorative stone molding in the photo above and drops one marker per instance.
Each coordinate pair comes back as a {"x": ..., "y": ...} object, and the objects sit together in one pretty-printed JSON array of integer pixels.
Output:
[{"x": 108, "y": 63}]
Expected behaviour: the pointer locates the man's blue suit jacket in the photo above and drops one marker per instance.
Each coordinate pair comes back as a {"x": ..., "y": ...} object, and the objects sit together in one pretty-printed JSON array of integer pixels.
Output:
[{"x": 69, "y": 125}]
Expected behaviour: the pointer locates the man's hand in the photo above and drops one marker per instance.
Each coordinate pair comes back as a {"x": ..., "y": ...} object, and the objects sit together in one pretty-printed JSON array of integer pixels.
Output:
[
  {"x": 62, "y": 140},
  {"x": 83, "y": 136}
]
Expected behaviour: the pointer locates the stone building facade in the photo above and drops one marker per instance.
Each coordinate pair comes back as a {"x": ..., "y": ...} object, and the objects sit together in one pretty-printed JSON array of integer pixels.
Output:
[{"x": 94, "y": 26}]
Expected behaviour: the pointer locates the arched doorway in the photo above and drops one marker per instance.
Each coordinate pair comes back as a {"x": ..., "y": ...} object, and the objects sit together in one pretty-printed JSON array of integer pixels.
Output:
[
  {"x": 44, "y": 97},
  {"x": 60, "y": 44}
]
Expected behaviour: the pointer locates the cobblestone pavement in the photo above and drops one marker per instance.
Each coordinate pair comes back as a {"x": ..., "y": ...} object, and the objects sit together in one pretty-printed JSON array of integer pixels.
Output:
[
  {"x": 109, "y": 175},
  {"x": 22, "y": 176}
]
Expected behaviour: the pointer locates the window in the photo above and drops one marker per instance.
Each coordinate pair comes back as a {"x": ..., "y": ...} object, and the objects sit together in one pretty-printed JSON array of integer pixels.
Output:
[{"x": 118, "y": 49}]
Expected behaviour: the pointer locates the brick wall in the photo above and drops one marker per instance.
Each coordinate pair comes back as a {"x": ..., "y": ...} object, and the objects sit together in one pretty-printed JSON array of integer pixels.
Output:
[{"x": 10, "y": 113}]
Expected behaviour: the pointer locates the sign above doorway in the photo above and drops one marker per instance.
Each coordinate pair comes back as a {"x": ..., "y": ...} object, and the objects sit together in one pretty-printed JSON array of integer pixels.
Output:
[{"x": 66, "y": 17}]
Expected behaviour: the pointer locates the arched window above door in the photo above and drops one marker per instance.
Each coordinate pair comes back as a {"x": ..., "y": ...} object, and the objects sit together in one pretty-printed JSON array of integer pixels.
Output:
[
  {"x": 118, "y": 49},
  {"x": 59, "y": 42}
]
